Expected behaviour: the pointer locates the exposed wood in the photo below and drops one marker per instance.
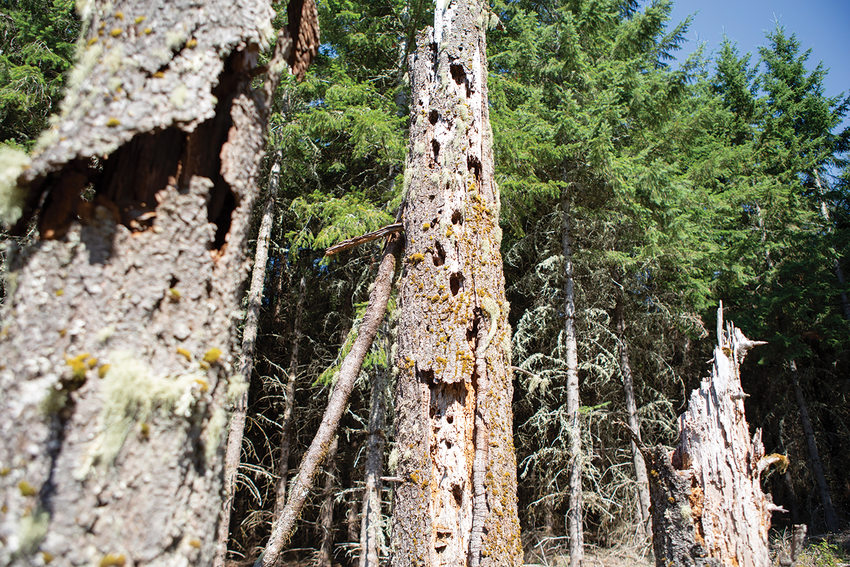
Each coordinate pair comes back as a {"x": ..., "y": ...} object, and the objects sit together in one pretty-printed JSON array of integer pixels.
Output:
[
  {"x": 233, "y": 449},
  {"x": 575, "y": 516},
  {"x": 364, "y": 238},
  {"x": 708, "y": 507},
  {"x": 456, "y": 503},
  {"x": 284, "y": 524}
]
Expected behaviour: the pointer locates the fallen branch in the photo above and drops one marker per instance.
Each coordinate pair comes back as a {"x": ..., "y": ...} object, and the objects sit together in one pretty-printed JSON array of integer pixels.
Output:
[
  {"x": 364, "y": 238},
  {"x": 284, "y": 525}
]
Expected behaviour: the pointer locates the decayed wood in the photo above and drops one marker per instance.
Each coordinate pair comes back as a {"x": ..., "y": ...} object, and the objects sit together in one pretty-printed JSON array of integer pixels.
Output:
[
  {"x": 364, "y": 238},
  {"x": 575, "y": 516},
  {"x": 456, "y": 502},
  {"x": 284, "y": 524},
  {"x": 708, "y": 507},
  {"x": 117, "y": 349},
  {"x": 233, "y": 449}
]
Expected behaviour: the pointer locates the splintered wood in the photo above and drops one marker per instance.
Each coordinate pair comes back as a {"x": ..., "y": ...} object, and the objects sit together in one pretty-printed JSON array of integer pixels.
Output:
[{"x": 708, "y": 507}]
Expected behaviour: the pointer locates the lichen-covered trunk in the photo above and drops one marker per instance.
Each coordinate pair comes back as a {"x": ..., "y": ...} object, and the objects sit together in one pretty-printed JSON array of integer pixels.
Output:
[
  {"x": 371, "y": 524},
  {"x": 632, "y": 418},
  {"x": 830, "y": 517},
  {"x": 456, "y": 501},
  {"x": 575, "y": 525},
  {"x": 233, "y": 448},
  {"x": 117, "y": 345},
  {"x": 708, "y": 507}
]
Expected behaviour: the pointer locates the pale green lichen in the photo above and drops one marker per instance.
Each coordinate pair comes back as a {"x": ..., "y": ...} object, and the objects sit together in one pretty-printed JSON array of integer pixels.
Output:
[
  {"x": 175, "y": 39},
  {"x": 12, "y": 197},
  {"x": 105, "y": 334},
  {"x": 130, "y": 394},
  {"x": 236, "y": 388},
  {"x": 179, "y": 96},
  {"x": 214, "y": 433},
  {"x": 32, "y": 530}
]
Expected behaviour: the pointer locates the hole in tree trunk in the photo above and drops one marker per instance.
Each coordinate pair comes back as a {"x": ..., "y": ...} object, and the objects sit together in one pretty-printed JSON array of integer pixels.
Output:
[
  {"x": 457, "y": 217},
  {"x": 435, "y": 147},
  {"x": 440, "y": 255},
  {"x": 473, "y": 164},
  {"x": 459, "y": 75},
  {"x": 433, "y": 116},
  {"x": 455, "y": 282}
]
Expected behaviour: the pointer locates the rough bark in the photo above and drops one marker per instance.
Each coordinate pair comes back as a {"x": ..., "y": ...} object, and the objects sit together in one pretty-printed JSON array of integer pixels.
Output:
[
  {"x": 289, "y": 401},
  {"x": 574, "y": 511},
  {"x": 118, "y": 344},
  {"x": 284, "y": 524},
  {"x": 707, "y": 504},
  {"x": 325, "y": 524},
  {"x": 233, "y": 450},
  {"x": 455, "y": 503},
  {"x": 830, "y": 517},
  {"x": 371, "y": 522},
  {"x": 632, "y": 418}
]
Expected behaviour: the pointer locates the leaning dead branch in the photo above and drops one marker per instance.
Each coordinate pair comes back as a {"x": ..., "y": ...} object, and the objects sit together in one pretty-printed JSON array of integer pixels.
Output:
[{"x": 364, "y": 238}]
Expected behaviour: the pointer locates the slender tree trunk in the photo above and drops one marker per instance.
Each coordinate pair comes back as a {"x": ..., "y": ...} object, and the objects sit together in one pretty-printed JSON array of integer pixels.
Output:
[
  {"x": 632, "y": 418},
  {"x": 456, "y": 501},
  {"x": 371, "y": 523},
  {"x": 118, "y": 344},
  {"x": 289, "y": 400},
  {"x": 284, "y": 524},
  {"x": 233, "y": 450},
  {"x": 830, "y": 517},
  {"x": 839, "y": 273},
  {"x": 325, "y": 524},
  {"x": 707, "y": 504},
  {"x": 574, "y": 512}
]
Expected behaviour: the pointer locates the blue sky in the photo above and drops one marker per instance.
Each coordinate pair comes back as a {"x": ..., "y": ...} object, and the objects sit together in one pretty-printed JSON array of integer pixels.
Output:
[{"x": 820, "y": 25}]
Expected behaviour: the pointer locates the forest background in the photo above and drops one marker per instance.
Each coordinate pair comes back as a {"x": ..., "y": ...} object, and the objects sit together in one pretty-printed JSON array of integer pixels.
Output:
[{"x": 712, "y": 176}]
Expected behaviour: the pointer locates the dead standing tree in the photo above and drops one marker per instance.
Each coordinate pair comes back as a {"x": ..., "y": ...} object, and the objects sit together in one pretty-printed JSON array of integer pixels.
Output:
[
  {"x": 117, "y": 345},
  {"x": 708, "y": 507},
  {"x": 455, "y": 503}
]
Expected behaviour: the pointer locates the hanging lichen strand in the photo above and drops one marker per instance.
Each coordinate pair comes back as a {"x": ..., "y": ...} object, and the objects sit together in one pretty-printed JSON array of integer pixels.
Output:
[{"x": 456, "y": 503}]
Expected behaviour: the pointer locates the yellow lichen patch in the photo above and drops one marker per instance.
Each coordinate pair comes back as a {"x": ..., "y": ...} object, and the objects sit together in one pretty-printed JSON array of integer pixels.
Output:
[
  {"x": 27, "y": 489},
  {"x": 145, "y": 430},
  {"x": 78, "y": 364},
  {"x": 91, "y": 41},
  {"x": 203, "y": 384},
  {"x": 60, "y": 292},
  {"x": 148, "y": 31},
  {"x": 185, "y": 353},
  {"x": 5, "y": 471},
  {"x": 196, "y": 543},
  {"x": 204, "y": 365},
  {"x": 192, "y": 43},
  {"x": 119, "y": 15},
  {"x": 113, "y": 560},
  {"x": 212, "y": 355},
  {"x": 426, "y": 226},
  {"x": 113, "y": 122},
  {"x": 416, "y": 258},
  {"x": 158, "y": 75},
  {"x": 140, "y": 19},
  {"x": 91, "y": 362},
  {"x": 101, "y": 372},
  {"x": 115, "y": 32},
  {"x": 174, "y": 293},
  {"x": 46, "y": 556}
]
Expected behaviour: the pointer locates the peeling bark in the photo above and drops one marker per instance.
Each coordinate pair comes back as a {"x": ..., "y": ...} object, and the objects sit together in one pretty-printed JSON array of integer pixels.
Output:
[
  {"x": 118, "y": 344},
  {"x": 708, "y": 507},
  {"x": 455, "y": 503}
]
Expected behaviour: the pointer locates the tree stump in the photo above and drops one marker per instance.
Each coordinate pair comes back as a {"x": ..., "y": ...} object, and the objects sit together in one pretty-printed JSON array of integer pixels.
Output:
[{"x": 708, "y": 507}]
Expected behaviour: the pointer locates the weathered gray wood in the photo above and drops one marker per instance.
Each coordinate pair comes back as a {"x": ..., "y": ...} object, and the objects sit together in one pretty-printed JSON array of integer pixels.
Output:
[
  {"x": 456, "y": 502},
  {"x": 371, "y": 522},
  {"x": 118, "y": 343},
  {"x": 708, "y": 507}
]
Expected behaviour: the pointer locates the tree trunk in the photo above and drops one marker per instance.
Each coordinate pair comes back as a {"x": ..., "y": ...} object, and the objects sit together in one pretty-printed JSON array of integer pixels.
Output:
[
  {"x": 574, "y": 512},
  {"x": 456, "y": 501},
  {"x": 830, "y": 517},
  {"x": 284, "y": 524},
  {"x": 289, "y": 400},
  {"x": 325, "y": 524},
  {"x": 119, "y": 342},
  {"x": 707, "y": 504},
  {"x": 233, "y": 450},
  {"x": 371, "y": 523},
  {"x": 632, "y": 418}
]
